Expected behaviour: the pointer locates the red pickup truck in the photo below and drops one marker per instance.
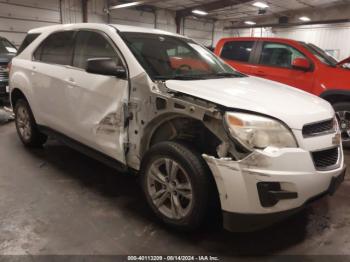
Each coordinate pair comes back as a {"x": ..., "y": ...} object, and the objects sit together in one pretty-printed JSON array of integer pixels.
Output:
[{"x": 298, "y": 64}]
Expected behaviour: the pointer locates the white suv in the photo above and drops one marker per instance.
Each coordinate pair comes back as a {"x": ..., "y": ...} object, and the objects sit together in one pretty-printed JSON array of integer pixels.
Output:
[{"x": 203, "y": 136}]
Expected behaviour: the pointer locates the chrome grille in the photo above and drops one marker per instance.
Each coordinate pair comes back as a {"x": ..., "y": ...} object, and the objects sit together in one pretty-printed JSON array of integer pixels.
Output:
[
  {"x": 319, "y": 128},
  {"x": 326, "y": 159}
]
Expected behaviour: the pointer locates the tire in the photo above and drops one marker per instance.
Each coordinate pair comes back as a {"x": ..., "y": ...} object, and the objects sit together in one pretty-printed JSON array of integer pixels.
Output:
[
  {"x": 342, "y": 110},
  {"x": 192, "y": 179},
  {"x": 26, "y": 127}
]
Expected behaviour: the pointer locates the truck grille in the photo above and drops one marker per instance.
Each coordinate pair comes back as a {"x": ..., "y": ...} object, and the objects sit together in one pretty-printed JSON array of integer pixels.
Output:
[
  {"x": 326, "y": 159},
  {"x": 3, "y": 72},
  {"x": 318, "y": 128}
]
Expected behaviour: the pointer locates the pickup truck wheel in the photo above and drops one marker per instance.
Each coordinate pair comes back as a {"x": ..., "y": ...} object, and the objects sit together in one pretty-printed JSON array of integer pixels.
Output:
[
  {"x": 342, "y": 111},
  {"x": 27, "y": 129},
  {"x": 176, "y": 182}
]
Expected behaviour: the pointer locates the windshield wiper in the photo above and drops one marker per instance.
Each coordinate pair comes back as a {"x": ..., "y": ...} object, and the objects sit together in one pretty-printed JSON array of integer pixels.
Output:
[
  {"x": 196, "y": 77},
  {"x": 228, "y": 74},
  {"x": 180, "y": 77}
]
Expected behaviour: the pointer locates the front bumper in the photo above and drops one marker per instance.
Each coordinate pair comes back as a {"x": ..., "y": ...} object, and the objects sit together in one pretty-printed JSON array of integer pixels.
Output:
[
  {"x": 292, "y": 168},
  {"x": 237, "y": 222}
]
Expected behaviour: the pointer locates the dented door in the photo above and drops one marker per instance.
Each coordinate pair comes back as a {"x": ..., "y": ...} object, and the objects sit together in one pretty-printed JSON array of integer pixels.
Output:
[{"x": 96, "y": 102}]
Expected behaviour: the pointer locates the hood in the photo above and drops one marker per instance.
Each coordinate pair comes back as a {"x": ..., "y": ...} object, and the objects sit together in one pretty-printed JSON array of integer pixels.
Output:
[
  {"x": 290, "y": 105},
  {"x": 345, "y": 61}
]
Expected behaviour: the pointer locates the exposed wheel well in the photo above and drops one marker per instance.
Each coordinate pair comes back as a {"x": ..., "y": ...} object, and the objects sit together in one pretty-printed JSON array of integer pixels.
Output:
[
  {"x": 15, "y": 95},
  {"x": 188, "y": 130},
  {"x": 336, "y": 96}
]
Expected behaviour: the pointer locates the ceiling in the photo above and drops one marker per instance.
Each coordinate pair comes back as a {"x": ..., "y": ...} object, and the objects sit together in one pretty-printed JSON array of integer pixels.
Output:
[{"x": 235, "y": 10}]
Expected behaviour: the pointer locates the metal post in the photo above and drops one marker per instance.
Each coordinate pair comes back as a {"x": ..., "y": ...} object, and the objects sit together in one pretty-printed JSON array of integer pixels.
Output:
[{"x": 84, "y": 8}]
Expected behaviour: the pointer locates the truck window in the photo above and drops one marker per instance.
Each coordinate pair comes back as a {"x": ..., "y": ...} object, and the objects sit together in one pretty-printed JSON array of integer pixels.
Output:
[
  {"x": 237, "y": 50},
  {"x": 279, "y": 55}
]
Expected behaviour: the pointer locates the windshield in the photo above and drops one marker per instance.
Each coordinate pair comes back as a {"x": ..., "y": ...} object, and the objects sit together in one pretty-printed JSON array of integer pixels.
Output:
[
  {"x": 321, "y": 54},
  {"x": 6, "y": 47},
  {"x": 167, "y": 57}
]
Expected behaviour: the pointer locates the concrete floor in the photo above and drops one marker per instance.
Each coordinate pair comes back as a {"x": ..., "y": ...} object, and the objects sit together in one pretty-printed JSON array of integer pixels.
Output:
[{"x": 58, "y": 201}]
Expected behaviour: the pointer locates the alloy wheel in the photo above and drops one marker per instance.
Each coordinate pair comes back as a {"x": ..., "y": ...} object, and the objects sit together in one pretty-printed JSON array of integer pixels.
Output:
[
  {"x": 23, "y": 123},
  {"x": 344, "y": 124},
  {"x": 170, "y": 189}
]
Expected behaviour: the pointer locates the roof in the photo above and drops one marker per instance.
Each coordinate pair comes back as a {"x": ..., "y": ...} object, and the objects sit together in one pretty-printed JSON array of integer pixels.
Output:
[
  {"x": 122, "y": 28},
  {"x": 259, "y": 38},
  {"x": 128, "y": 28}
]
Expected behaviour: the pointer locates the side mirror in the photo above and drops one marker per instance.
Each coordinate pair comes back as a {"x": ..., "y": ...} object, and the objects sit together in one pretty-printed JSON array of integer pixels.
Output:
[
  {"x": 105, "y": 66},
  {"x": 301, "y": 64}
]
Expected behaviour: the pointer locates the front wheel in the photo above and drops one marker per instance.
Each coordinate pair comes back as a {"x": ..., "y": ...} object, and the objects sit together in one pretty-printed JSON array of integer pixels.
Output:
[
  {"x": 342, "y": 111},
  {"x": 177, "y": 185}
]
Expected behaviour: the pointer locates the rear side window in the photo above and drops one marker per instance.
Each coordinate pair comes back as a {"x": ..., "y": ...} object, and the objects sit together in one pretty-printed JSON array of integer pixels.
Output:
[
  {"x": 237, "y": 50},
  {"x": 56, "y": 49},
  {"x": 92, "y": 45},
  {"x": 26, "y": 42},
  {"x": 279, "y": 55}
]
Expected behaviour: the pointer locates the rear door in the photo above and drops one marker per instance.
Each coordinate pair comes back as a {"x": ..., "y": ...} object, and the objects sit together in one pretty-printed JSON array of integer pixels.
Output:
[
  {"x": 95, "y": 103},
  {"x": 275, "y": 63},
  {"x": 49, "y": 76},
  {"x": 239, "y": 54}
]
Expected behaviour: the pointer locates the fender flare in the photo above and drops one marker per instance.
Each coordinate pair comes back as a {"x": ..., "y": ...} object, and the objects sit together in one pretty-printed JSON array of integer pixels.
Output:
[{"x": 336, "y": 95}]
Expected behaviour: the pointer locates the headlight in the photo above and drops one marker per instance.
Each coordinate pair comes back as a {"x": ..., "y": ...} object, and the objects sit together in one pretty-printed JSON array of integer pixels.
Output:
[{"x": 254, "y": 131}]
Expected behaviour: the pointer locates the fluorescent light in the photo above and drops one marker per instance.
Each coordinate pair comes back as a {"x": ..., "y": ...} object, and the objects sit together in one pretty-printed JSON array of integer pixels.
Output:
[
  {"x": 260, "y": 5},
  {"x": 250, "y": 23},
  {"x": 125, "y": 5},
  {"x": 304, "y": 19},
  {"x": 199, "y": 12}
]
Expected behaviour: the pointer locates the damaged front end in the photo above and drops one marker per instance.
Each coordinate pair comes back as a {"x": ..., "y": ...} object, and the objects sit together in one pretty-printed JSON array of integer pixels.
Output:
[
  {"x": 264, "y": 184},
  {"x": 157, "y": 114}
]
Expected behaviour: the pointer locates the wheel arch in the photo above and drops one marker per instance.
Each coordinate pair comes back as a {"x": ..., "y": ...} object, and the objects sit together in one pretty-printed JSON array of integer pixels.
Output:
[
  {"x": 176, "y": 126},
  {"x": 336, "y": 96},
  {"x": 17, "y": 94}
]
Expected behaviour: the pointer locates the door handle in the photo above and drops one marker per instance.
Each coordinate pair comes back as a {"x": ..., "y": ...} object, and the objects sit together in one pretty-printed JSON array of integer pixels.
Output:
[
  {"x": 71, "y": 80},
  {"x": 33, "y": 70}
]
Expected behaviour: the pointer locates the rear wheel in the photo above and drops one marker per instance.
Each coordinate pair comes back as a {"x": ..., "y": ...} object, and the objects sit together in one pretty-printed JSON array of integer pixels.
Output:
[
  {"x": 27, "y": 129},
  {"x": 177, "y": 185},
  {"x": 342, "y": 111}
]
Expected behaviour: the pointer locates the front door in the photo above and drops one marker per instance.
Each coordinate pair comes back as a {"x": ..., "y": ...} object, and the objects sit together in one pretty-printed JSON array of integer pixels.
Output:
[
  {"x": 96, "y": 102},
  {"x": 275, "y": 63}
]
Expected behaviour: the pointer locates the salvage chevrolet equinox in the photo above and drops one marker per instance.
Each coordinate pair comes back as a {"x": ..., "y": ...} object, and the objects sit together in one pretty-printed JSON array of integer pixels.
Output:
[{"x": 202, "y": 136}]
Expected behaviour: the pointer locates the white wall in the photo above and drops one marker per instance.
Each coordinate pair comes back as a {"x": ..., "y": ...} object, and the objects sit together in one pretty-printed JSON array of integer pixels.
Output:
[
  {"x": 72, "y": 11},
  {"x": 199, "y": 30},
  {"x": 329, "y": 37},
  {"x": 334, "y": 37},
  {"x": 132, "y": 17},
  {"x": 161, "y": 19},
  {"x": 17, "y": 17}
]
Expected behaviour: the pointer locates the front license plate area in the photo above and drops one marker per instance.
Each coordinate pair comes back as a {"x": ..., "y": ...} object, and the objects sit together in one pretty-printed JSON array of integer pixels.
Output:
[{"x": 336, "y": 182}]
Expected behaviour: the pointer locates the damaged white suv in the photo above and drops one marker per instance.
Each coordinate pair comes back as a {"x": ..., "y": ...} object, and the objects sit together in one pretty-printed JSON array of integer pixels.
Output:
[{"x": 202, "y": 136}]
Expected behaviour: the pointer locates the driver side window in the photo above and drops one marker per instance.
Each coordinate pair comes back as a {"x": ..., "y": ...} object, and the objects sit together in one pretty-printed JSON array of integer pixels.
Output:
[{"x": 92, "y": 45}]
